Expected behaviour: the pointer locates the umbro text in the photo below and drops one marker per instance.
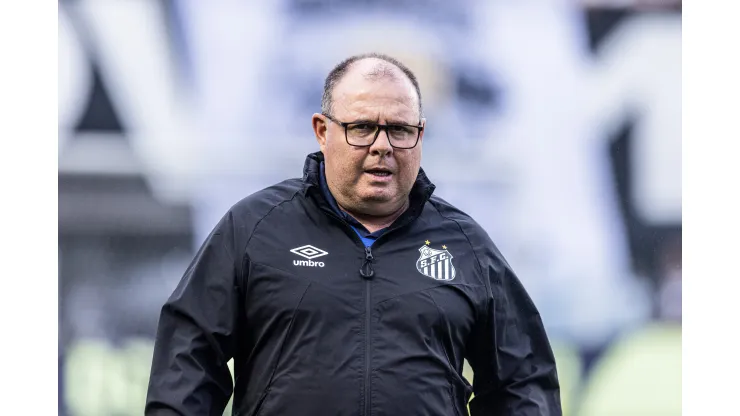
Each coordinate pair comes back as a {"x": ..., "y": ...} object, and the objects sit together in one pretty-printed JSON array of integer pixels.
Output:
[{"x": 308, "y": 263}]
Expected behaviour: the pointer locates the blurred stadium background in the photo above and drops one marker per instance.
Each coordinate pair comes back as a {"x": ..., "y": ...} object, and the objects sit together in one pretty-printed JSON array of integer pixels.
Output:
[{"x": 556, "y": 124}]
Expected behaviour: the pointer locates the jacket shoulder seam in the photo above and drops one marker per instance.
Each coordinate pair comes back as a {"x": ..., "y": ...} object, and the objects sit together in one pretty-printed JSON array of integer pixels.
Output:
[
  {"x": 459, "y": 226},
  {"x": 256, "y": 224}
]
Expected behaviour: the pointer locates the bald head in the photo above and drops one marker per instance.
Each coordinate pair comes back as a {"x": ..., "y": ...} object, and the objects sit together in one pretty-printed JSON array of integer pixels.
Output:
[{"x": 371, "y": 67}]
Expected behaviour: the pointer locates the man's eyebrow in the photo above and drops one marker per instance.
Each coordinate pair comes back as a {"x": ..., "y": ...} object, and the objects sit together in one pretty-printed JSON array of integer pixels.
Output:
[
  {"x": 388, "y": 121},
  {"x": 364, "y": 120},
  {"x": 404, "y": 122}
]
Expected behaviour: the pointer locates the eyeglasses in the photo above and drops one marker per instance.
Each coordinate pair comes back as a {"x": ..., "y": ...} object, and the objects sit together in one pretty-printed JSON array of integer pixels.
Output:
[{"x": 364, "y": 133}]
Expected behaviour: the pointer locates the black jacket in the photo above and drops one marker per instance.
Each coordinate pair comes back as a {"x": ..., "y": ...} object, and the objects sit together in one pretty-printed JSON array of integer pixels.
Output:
[{"x": 319, "y": 325}]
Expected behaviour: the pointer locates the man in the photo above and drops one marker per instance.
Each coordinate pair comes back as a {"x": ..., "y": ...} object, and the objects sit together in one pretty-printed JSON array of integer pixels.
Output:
[{"x": 353, "y": 290}]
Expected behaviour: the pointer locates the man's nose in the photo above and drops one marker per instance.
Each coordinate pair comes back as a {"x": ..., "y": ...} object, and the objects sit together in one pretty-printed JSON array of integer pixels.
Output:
[{"x": 382, "y": 145}]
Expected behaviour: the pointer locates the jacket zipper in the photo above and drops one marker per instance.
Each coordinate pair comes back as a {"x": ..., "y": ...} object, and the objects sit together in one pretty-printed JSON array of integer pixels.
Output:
[{"x": 367, "y": 273}]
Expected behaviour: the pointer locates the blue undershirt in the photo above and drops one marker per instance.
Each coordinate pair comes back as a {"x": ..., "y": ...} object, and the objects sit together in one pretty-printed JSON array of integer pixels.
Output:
[{"x": 366, "y": 236}]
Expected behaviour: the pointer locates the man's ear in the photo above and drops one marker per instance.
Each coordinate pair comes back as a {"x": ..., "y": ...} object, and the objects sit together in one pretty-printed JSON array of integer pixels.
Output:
[
  {"x": 423, "y": 129},
  {"x": 320, "y": 127}
]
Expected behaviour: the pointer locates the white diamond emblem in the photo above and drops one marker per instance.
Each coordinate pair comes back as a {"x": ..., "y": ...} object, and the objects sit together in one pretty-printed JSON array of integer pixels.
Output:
[{"x": 310, "y": 252}]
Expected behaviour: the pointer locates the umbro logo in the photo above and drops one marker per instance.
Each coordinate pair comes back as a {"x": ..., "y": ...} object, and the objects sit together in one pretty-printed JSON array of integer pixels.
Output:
[{"x": 309, "y": 252}]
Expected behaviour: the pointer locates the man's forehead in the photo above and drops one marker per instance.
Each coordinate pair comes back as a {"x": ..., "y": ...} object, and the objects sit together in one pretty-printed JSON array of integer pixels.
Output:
[
  {"x": 369, "y": 97},
  {"x": 372, "y": 104}
]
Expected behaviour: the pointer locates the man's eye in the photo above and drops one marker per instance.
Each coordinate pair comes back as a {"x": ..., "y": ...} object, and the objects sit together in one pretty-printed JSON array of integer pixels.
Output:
[{"x": 362, "y": 127}]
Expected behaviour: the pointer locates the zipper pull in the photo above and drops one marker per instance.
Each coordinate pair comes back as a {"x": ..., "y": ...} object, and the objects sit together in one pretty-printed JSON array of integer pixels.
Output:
[{"x": 366, "y": 271}]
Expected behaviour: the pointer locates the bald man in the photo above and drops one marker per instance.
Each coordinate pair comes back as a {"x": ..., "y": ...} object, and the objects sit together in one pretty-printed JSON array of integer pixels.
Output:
[{"x": 353, "y": 290}]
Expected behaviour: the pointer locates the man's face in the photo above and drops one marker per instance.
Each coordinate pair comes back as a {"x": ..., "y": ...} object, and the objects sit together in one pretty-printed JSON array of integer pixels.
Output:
[{"x": 349, "y": 169}]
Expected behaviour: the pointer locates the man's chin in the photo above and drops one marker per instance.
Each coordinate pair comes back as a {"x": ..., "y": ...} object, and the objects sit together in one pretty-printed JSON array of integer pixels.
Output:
[
  {"x": 377, "y": 196},
  {"x": 379, "y": 203}
]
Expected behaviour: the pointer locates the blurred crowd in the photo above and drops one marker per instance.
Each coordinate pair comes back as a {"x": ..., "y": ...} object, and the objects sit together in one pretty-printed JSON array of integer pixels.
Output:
[{"x": 555, "y": 124}]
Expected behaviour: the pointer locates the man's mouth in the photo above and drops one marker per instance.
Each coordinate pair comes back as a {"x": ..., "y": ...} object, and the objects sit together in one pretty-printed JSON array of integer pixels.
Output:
[{"x": 379, "y": 172}]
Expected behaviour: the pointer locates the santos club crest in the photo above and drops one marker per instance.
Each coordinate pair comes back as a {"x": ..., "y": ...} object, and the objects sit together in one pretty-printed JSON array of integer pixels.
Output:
[{"x": 436, "y": 264}]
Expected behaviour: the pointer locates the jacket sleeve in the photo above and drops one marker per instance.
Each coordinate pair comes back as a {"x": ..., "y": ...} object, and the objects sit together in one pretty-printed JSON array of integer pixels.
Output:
[
  {"x": 196, "y": 334},
  {"x": 509, "y": 352}
]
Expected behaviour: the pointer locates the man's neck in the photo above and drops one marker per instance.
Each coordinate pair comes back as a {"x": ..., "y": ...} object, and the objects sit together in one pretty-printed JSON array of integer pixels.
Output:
[{"x": 374, "y": 223}]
